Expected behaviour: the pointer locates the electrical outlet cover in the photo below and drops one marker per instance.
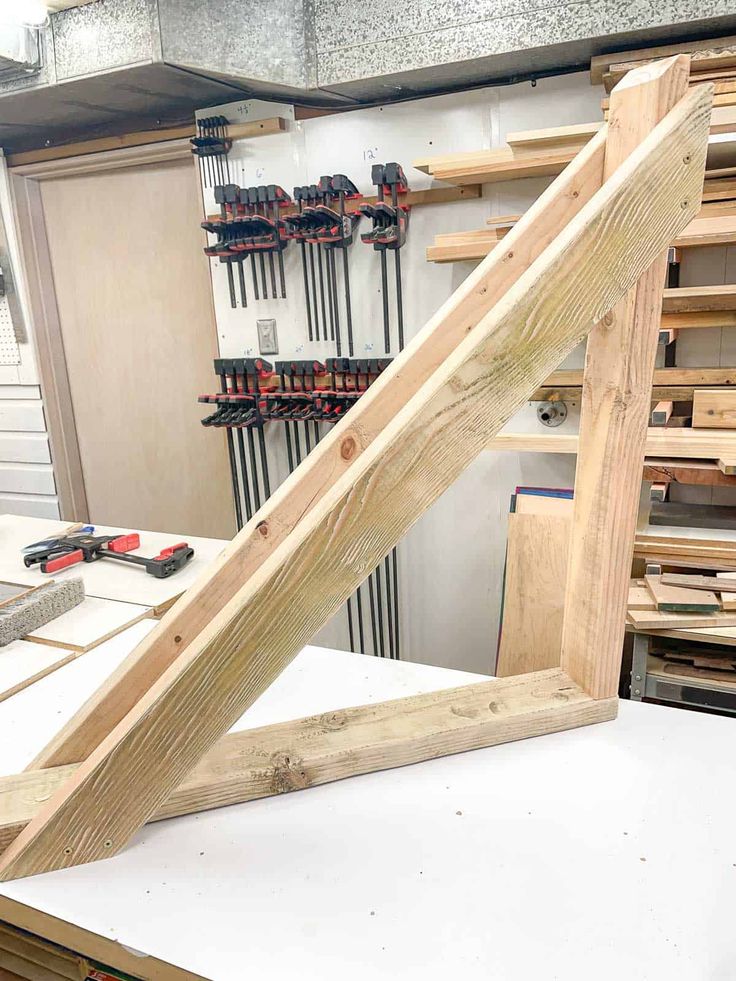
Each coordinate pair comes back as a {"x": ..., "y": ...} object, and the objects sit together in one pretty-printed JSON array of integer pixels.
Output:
[{"x": 268, "y": 341}]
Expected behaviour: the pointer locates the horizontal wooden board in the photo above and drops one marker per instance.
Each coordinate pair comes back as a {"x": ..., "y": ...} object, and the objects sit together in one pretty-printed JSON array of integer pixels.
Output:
[
  {"x": 347, "y": 742},
  {"x": 656, "y": 620},
  {"x": 699, "y": 298},
  {"x": 661, "y": 441},
  {"x": 714, "y": 408}
]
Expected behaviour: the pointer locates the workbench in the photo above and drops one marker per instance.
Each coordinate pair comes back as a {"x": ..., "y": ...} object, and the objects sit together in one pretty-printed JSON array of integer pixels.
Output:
[{"x": 603, "y": 852}]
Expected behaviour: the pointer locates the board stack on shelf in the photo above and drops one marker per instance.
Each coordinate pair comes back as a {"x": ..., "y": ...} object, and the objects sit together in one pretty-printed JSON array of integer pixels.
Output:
[{"x": 662, "y": 601}]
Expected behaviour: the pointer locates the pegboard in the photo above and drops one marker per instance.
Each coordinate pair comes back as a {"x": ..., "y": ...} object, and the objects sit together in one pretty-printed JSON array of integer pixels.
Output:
[{"x": 9, "y": 350}]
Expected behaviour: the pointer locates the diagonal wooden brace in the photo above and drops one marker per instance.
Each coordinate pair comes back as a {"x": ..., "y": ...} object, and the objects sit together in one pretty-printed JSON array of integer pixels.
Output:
[{"x": 585, "y": 270}]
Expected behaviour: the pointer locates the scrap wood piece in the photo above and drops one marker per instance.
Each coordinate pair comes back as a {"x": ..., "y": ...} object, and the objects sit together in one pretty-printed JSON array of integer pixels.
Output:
[
  {"x": 660, "y": 620},
  {"x": 661, "y": 668},
  {"x": 706, "y": 583},
  {"x": 287, "y": 756},
  {"x": 639, "y": 596},
  {"x": 727, "y": 465},
  {"x": 728, "y": 600},
  {"x": 679, "y": 599},
  {"x": 589, "y": 265},
  {"x": 474, "y": 298},
  {"x": 533, "y": 597},
  {"x": 697, "y": 660}
]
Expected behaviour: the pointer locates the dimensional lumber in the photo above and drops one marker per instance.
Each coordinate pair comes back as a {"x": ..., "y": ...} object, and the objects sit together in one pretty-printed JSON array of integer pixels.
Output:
[
  {"x": 696, "y": 444},
  {"x": 694, "y": 298},
  {"x": 536, "y": 139},
  {"x": 295, "y": 755},
  {"x": 679, "y": 599},
  {"x": 718, "y": 230},
  {"x": 661, "y": 413},
  {"x": 662, "y": 378},
  {"x": 691, "y": 552},
  {"x": 533, "y": 596},
  {"x": 699, "y": 319},
  {"x": 703, "y": 583},
  {"x": 474, "y": 298},
  {"x": 645, "y": 620},
  {"x": 238, "y": 131},
  {"x": 714, "y": 408},
  {"x": 614, "y": 413},
  {"x": 727, "y": 465},
  {"x": 697, "y": 50},
  {"x": 589, "y": 265}
]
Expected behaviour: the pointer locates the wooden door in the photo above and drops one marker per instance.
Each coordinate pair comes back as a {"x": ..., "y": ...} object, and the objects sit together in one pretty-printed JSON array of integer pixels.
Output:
[{"x": 135, "y": 310}]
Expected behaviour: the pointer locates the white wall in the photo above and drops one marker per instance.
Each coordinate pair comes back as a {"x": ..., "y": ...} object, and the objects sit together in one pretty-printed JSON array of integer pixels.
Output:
[
  {"x": 26, "y": 474},
  {"x": 452, "y": 560}
]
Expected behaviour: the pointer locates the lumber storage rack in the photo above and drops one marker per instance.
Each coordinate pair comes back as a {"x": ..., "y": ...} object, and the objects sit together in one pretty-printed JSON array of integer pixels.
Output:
[{"x": 588, "y": 258}]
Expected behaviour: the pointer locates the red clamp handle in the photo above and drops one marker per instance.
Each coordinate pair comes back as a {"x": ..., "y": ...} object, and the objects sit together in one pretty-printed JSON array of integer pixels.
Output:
[
  {"x": 71, "y": 558},
  {"x": 125, "y": 543},
  {"x": 166, "y": 553}
]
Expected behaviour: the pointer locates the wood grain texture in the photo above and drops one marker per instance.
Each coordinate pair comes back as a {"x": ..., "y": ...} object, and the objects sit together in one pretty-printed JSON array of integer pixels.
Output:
[
  {"x": 590, "y": 264},
  {"x": 294, "y": 755},
  {"x": 703, "y": 583},
  {"x": 619, "y": 364},
  {"x": 299, "y": 494},
  {"x": 533, "y": 599},
  {"x": 714, "y": 408},
  {"x": 717, "y": 230},
  {"x": 684, "y": 443},
  {"x": 692, "y": 298}
]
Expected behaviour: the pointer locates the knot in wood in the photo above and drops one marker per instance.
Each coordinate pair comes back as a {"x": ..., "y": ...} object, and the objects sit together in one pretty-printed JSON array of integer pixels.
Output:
[
  {"x": 608, "y": 319},
  {"x": 348, "y": 448},
  {"x": 262, "y": 528},
  {"x": 288, "y": 774}
]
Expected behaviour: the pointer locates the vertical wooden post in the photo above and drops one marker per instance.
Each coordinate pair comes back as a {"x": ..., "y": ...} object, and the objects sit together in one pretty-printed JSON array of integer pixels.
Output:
[{"x": 616, "y": 398}]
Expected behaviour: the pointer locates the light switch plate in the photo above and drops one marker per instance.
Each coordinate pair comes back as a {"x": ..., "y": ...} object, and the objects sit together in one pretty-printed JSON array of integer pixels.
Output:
[{"x": 268, "y": 340}]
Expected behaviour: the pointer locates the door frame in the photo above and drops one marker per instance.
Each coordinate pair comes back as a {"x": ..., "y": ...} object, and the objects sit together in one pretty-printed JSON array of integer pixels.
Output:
[{"x": 43, "y": 312}]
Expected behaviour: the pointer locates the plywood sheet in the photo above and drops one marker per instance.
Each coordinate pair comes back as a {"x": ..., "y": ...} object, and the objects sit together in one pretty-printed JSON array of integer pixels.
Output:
[
  {"x": 536, "y": 570},
  {"x": 142, "y": 312}
]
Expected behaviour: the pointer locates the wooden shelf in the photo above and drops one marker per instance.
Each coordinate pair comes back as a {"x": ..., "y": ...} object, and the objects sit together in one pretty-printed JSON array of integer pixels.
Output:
[
  {"x": 690, "y": 472},
  {"x": 717, "y": 229},
  {"x": 697, "y": 444}
]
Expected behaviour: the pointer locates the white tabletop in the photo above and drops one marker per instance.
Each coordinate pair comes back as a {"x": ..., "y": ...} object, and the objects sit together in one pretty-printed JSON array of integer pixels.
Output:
[
  {"x": 606, "y": 852},
  {"x": 106, "y": 578}
]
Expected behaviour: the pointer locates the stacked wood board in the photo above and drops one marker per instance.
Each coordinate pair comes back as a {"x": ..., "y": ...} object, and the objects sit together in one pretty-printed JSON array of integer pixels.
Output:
[
  {"x": 711, "y": 60},
  {"x": 663, "y": 601},
  {"x": 533, "y": 153}
]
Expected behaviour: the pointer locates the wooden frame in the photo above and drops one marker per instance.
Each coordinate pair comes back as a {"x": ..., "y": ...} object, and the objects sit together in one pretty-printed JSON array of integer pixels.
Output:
[{"x": 574, "y": 260}]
